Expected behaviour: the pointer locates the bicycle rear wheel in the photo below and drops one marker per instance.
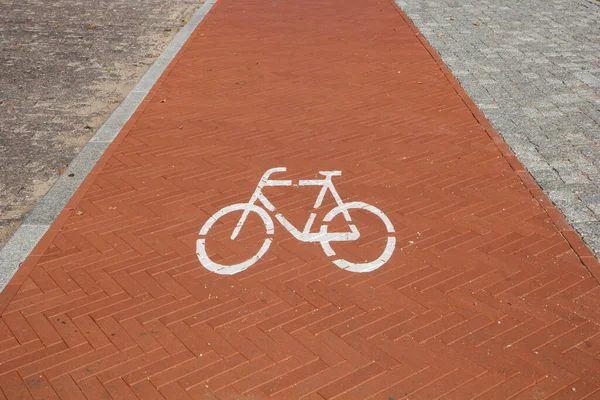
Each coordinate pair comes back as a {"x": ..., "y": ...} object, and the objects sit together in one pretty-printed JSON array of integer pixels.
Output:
[{"x": 367, "y": 266}]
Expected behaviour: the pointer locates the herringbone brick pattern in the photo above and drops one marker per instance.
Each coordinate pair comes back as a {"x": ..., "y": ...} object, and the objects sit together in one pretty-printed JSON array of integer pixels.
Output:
[{"x": 485, "y": 296}]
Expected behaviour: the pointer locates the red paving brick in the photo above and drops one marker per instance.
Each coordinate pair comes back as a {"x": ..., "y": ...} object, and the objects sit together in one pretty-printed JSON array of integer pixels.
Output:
[{"x": 488, "y": 292}]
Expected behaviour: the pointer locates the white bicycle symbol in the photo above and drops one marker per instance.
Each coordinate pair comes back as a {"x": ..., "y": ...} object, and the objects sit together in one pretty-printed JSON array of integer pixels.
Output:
[{"x": 323, "y": 237}]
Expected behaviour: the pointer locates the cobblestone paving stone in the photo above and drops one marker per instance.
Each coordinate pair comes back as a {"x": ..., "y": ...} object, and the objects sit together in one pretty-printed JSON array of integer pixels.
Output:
[
  {"x": 66, "y": 64},
  {"x": 533, "y": 68}
]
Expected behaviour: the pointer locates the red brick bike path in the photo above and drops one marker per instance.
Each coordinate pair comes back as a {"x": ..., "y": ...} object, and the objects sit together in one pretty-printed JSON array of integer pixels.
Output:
[{"x": 487, "y": 294}]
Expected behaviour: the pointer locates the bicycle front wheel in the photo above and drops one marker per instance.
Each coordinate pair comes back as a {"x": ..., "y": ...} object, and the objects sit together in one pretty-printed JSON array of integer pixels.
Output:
[{"x": 221, "y": 269}]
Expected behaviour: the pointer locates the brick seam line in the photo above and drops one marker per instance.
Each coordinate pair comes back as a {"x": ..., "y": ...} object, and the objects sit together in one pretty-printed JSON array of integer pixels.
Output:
[
  {"x": 573, "y": 239},
  {"x": 110, "y": 135}
]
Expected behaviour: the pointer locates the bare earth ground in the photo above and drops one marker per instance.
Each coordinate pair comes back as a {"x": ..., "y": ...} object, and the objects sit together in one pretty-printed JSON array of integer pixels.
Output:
[{"x": 65, "y": 65}]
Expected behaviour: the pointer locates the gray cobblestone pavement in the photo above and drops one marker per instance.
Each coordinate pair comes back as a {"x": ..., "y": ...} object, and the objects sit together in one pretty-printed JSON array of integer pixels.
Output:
[
  {"x": 533, "y": 68},
  {"x": 65, "y": 66}
]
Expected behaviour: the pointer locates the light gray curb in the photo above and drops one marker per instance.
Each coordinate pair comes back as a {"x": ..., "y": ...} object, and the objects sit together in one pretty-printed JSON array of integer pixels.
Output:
[{"x": 43, "y": 215}]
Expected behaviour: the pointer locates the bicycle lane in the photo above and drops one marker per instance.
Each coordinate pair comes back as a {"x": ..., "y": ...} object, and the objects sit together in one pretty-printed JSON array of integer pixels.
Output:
[{"x": 481, "y": 294}]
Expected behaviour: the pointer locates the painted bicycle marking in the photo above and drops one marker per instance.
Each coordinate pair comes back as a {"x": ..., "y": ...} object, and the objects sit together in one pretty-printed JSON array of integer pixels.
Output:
[{"x": 322, "y": 236}]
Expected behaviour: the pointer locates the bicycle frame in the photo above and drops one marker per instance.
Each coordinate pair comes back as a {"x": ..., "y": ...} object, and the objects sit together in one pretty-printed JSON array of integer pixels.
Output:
[{"x": 305, "y": 235}]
